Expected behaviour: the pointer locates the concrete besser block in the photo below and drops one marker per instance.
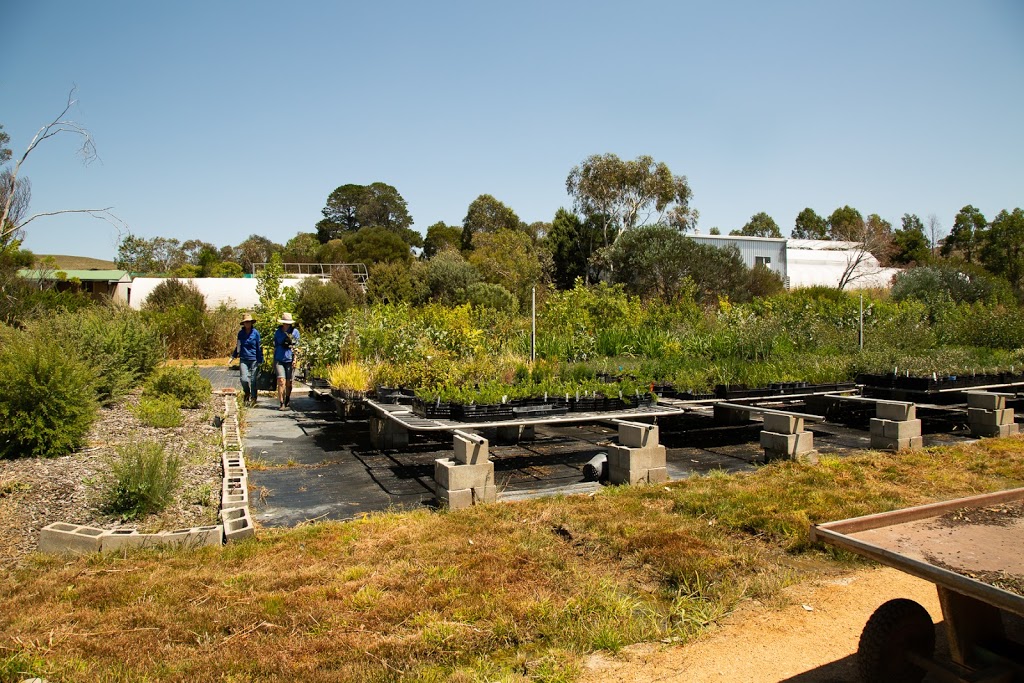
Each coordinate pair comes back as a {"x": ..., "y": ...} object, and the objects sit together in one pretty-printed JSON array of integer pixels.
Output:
[
  {"x": 455, "y": 500},
  {"x": 194, "y": 537},
  {"x": 895, "y": 410},
  {"x": 637, "y": 435},
  {"x": 886, "y": 443},
  {"x": 117, "y": 539},
  {"x": 485, "y": 494},
  {"x": 236, "y": 473},
  {"x": 622, "y": 457},
  {"x": 237, "y": 525},
  {"x": 231, "y": 459},
  {"x": 635, "y": 476},
  {"x": 986, "y": 400},
  {"x": 990, "y": 418},
  {"x": 995, "y": 431},
  {"x": 452, "y": 476},
  {"x": 470, "y": 452},
  {"x": 234, "y": 499},
  {"x": 783, "y": 424},
  {"x": 787, "y": 444},
  {"x": 901, "y": 430},
  {"x": 657, "y": 475},
  {"x": 60, "y": 537}
]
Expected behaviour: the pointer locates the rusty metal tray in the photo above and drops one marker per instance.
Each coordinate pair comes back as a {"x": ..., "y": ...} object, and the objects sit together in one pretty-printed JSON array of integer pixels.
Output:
[{"x": 968, "y": 545}]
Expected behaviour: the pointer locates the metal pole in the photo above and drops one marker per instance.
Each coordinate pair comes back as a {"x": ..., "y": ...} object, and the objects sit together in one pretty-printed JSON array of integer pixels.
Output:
[
  {"x": 533, "y": 327},
  {"x": 860, "y": 335}
]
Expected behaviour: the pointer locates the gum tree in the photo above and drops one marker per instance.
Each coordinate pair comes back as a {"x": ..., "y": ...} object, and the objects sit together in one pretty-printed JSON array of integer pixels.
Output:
[{"x": 622, "y": 195}]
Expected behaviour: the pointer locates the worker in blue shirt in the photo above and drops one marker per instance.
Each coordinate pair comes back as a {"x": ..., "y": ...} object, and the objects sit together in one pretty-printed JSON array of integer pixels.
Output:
[
  {"x": 286, "y": 338},
  {"x": 249, "y": 353}
]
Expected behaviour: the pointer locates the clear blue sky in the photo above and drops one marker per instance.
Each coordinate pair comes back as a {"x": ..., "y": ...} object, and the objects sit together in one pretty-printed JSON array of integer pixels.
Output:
[{"x": 216, "y": 120}]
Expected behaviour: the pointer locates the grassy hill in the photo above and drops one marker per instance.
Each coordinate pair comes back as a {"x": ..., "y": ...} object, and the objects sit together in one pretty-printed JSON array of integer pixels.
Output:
[{"x": 65, "y": 262}]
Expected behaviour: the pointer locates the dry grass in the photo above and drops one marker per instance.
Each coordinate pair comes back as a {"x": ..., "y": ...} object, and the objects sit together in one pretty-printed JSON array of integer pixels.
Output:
[{"x": 509, "y": 592}]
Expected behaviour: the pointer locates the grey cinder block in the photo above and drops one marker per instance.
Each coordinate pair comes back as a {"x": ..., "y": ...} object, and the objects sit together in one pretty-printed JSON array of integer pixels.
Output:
[
  {"x": 485, "y": 494},
  {"x": 60, "y": 537},
  {"x": 470, "y": 452},
  {"x": 646, "y": 458},
  {"x": 194, "y": 537},
  {"x": 657, "y": 475},
  {"x": 886, "y": 443},
  {"x": 895, "y": 410},
  {"x": 990, "y": 418},
  {"x": 995, "y": 431},
  {"x": 783, "y": 424},
  {"x": 787, "y": 444},
  {"x": 239, "y": 527},
  {"x": 455, "y": 500},
  {"x": 986, "y": 400},
  {"x": 452, "y": 476},
  {"x": 637, "y": 435}
]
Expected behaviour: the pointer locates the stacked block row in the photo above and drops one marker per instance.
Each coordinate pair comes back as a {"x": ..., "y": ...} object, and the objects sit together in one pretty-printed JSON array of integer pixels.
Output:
[
  {"x": 783, "y": 437},
  {"x": 895, "y": 426},
  {"x": 468, "y": 478},
  {"x": 234, "y": 493},
  {"x": 638, "y": 458},
  {"x": 61, "y": 537},
  {"x": 988, "y": 415}
]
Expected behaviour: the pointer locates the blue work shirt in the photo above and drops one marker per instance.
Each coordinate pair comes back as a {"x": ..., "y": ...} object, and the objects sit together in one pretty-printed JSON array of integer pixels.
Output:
[
  {"x": 249, "y": 347},
  {"x": 281, "y": 353}
]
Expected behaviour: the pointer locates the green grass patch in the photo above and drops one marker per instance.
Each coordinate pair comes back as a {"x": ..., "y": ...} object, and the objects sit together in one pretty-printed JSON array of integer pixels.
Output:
[
  {"x": 158, "y": 411},
  {"x": 143, "y": 480},
  {"x": 407, "y": 596}
]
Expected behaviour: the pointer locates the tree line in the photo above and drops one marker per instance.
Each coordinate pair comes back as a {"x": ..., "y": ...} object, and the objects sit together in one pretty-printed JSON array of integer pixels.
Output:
[{"x": 598, "y": 238}]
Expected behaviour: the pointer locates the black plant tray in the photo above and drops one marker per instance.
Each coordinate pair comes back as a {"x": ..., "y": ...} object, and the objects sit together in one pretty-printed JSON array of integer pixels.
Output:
[
  {"x": 432, "y": 410},
  {"x": 474, "y": 412},
  {"x": 587, "y": 404},
  {"x": 540, "y": 410},
  {"x": 400, "y": 395}
]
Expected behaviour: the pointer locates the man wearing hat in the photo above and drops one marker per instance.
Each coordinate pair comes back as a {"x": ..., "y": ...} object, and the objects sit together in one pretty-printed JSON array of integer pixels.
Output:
[
  {"x": 250, "y": 356},
  {"x": 286, "y": 338}
]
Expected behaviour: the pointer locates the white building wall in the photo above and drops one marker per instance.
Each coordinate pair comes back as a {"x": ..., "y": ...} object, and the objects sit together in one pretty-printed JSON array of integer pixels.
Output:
[
  {"x": 235, "y": 292},
  {"x": 823, "y": 262}
]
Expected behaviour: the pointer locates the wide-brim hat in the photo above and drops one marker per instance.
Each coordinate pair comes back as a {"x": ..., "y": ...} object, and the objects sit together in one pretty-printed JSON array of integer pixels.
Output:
[
  {"x": 247, "y": 318},
  {"x": 286, "y": 319}
]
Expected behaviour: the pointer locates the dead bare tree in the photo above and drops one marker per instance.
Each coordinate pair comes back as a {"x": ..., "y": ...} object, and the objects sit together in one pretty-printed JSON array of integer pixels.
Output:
[
  {"x": 861, "y": 260},
  {"x": 935, "y": 231},
  {"x": 16, "y": 192}
]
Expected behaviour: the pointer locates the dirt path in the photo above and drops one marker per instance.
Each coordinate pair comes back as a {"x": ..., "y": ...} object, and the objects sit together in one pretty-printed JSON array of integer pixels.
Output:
[{"x": 757, "y": 644}]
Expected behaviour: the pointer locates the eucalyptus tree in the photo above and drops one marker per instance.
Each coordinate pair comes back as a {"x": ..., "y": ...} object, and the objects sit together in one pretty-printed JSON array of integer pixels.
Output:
[{"x": 622, "y": 195}]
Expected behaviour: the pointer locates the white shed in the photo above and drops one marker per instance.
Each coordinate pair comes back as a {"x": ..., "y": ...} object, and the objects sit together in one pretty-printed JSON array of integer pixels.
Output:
[{"x": 823, "y": 262}]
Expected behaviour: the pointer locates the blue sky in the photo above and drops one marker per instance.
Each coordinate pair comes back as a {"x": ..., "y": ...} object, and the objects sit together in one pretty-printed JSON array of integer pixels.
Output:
[{"x": 217, "y": 120}]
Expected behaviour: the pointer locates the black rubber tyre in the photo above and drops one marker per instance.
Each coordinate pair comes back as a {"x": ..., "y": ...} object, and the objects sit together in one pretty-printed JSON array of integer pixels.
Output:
[{"x": 897, "y": 627}]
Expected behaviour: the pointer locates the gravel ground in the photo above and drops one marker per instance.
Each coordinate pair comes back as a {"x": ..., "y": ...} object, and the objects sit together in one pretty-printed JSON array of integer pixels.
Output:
[{"x": 35, "y": 492}]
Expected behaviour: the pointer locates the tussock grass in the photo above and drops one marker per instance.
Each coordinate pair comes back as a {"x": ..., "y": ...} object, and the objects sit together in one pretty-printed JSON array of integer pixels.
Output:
[{"x": 511, "y": 592}]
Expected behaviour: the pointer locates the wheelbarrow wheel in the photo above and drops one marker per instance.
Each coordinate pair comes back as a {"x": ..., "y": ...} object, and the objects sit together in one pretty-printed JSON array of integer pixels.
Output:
[{"x": 896, "y": 628}]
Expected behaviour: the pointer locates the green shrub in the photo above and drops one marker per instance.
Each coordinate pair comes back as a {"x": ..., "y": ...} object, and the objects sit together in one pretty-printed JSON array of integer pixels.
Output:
[
  {"x": 488, "y": 295},
  {"x": 191, "y": 333},
  {"x": 158, "y": 411},
  {"x": 935, "y": 285},
  {"x": 47, "y": 398},
  {"x": 318, "y": 301},
  {"x": 172, "y": 293},
  {"x": 184, "y": 384},
  {"x": 143, "y": 481},
  {"x": 122, "y": 345}
]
